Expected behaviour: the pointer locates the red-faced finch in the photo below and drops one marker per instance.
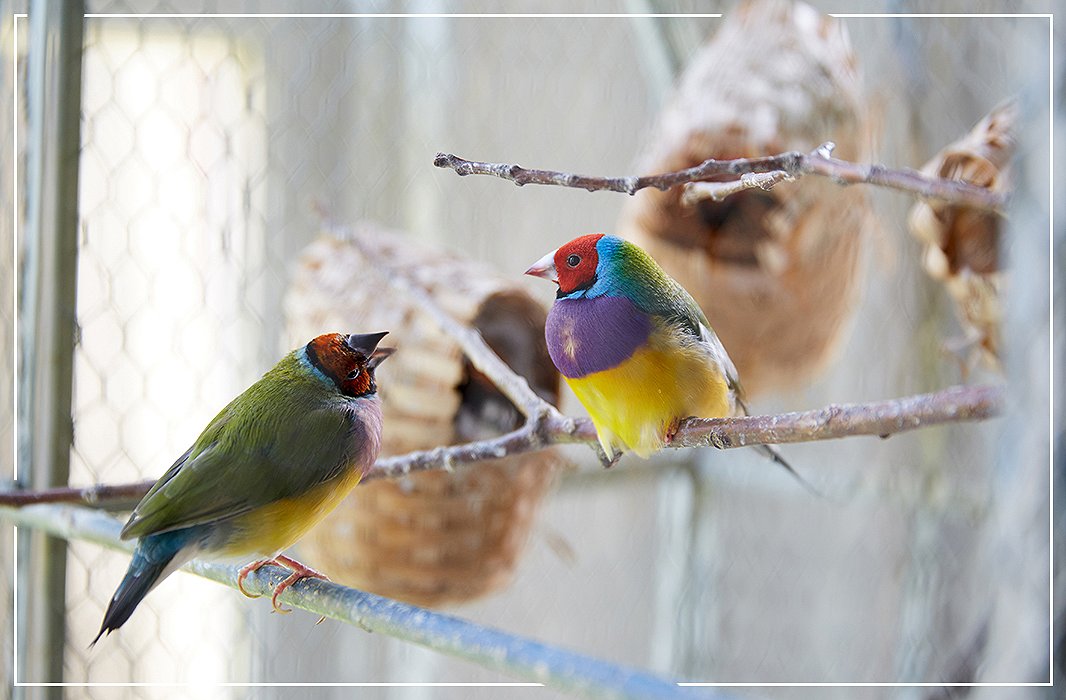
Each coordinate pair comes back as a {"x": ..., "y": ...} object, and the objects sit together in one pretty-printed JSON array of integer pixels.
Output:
[
  {"x": 269, "y": 466},
  {"x": 634, "y": 346}
]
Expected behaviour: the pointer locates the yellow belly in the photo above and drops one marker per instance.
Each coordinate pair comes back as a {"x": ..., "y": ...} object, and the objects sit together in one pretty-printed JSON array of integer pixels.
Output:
[
  {"x": 634, "y": 404},
  {"x": 268, "y": 530}
]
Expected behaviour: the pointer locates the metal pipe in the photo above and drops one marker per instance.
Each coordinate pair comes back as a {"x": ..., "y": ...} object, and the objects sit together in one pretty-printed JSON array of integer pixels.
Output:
[
  {"x": 48, "y": 321},
  {"x": 519, "y": 657}
]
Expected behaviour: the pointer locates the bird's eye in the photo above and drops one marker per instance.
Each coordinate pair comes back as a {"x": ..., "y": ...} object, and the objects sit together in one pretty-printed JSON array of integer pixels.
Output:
[
  {"x": 573, "y": 260},
  {"x": 353, "y": 374}
]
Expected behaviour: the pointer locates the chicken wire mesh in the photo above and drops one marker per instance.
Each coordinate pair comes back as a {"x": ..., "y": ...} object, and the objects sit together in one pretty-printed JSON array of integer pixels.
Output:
[
  {"x": 171, "y": 300},
  {"x": 212, "y": 149}
]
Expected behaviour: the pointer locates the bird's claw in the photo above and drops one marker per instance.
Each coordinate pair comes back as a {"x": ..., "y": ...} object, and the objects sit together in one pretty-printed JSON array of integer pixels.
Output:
[
  {"x": 249, "y": 568},
  {"x": 299, "y": 571},
  {"x": 671, "y": 432}
]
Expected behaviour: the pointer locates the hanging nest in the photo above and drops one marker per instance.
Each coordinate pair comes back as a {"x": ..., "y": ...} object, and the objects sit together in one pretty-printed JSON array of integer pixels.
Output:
[
  {"x": 962, "y": 243},
  {"x": 431, "y": 538},
  {"x": 775, "y": 271}
]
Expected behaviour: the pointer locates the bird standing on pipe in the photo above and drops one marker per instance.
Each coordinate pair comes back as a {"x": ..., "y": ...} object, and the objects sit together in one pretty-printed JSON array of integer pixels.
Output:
[
  {"x": 269, "y": 466},
  {"x": 634, "y": 346}
]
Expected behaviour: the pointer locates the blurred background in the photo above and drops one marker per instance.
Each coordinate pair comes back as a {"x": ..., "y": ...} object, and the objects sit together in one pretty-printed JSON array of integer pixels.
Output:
[{"x": 214, "y": 148}]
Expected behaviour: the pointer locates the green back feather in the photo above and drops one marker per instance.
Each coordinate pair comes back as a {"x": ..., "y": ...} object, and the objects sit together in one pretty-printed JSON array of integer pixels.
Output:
[
  {"x": 632, "y": 273},
  {"x": 281, "y": 437}
]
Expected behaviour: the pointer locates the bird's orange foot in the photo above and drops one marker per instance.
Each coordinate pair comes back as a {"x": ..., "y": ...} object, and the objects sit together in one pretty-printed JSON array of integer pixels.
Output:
[
  {"x": 299, "y": 571},
  {"x": 249, "y": 568},
  {"x": 671, "y": 431}
]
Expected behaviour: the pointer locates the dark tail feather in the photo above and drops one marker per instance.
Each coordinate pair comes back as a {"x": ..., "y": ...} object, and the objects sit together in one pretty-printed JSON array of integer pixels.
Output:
[
  {"x": 145, "y": 571},
  {"x": 769, "y": 452}
]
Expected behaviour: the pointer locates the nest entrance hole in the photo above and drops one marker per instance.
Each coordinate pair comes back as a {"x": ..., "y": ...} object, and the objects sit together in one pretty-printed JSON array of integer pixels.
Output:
[{"x": 734, "y": 228}]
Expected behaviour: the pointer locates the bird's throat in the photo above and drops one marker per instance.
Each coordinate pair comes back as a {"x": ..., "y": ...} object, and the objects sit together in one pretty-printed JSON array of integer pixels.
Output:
[{"x": 592, "y": 335}]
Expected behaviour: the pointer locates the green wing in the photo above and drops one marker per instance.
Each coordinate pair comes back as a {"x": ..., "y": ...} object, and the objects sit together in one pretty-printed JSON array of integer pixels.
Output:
[
  {"x": 654, "y": 292},
  {"x": 243, "y": 461},
  {"x": 657, "y": 293}
]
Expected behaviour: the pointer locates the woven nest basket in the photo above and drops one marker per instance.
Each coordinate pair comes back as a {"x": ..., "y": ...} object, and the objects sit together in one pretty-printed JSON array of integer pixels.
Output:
[
  {"x": 431, "y": 538},
  {"x": 775, "y": 271},
  {"x": 962, "y": 243}
]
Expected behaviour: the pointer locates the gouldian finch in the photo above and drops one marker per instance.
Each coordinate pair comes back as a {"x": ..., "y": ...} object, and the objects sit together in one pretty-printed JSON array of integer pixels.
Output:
[
  {"x": 269, "y": 466},
  {"x": 634, "y": 346}
]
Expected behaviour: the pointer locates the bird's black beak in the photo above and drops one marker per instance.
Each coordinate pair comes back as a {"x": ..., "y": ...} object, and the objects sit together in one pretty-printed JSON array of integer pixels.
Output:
[
  {"x": 366, "y": 343},
  {"x": 378, "y": 356}
]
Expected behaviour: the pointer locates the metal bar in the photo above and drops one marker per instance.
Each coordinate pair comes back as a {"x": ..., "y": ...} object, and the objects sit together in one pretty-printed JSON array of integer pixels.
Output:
[
  {"x": 48, "y": 320},
  {"x": 520, "y": 657}
]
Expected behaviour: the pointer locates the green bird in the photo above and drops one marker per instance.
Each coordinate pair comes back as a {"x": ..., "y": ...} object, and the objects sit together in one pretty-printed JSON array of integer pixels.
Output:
[{"x": 269, "y": 466}]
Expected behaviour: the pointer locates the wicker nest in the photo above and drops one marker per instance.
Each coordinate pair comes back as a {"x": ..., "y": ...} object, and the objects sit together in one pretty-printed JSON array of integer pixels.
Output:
[
  {"x": 962, "y": 243},
  {"x": 775, "y": 271},
  {"x": 431, "y": 538}
]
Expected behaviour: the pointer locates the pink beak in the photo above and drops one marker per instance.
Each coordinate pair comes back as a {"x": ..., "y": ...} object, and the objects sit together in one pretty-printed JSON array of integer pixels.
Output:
[{"x": 545, "y": 267}]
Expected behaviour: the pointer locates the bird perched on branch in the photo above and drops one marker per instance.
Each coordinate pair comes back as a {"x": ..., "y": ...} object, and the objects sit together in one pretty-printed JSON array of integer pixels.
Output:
[
  {"x": 269, "y": 466},
  {"x": 634, "y": 346}
]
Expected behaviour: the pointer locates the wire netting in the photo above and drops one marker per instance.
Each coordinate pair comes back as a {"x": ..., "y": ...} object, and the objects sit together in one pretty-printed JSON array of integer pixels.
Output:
[{"x": 213, "y": 149}]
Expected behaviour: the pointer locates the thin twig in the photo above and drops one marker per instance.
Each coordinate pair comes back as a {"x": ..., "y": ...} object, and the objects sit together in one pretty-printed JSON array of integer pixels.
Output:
[
  {"x": 882, "y": 418},
  {"x": 717, "y": 191},
  {"x": 794, "y": 163},
  {"x": 97, "y": 494}
]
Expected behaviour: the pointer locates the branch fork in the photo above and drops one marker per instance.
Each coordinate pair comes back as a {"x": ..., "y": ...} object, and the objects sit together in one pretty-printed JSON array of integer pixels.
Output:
[{"x": 793, "y": 164}]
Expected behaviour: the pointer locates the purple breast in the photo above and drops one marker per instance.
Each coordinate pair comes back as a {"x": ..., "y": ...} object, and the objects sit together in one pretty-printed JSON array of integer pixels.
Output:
[{"x": 591, "y": 335}]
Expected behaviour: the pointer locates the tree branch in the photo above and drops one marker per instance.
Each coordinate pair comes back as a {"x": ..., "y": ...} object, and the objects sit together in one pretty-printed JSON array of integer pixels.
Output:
[
  {"x": 95, "y": 495},
  {"x": 882, "y": 418},
  {"x": 793, "y": 163}
]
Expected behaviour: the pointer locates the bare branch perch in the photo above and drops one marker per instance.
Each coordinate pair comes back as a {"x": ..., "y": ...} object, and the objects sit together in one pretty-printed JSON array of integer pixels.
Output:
[
  {"x": 97, "y": 494},
  {"x": 792, "y": 163},
  {"x": 881, "y": 418}
]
